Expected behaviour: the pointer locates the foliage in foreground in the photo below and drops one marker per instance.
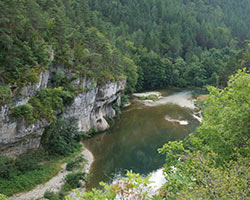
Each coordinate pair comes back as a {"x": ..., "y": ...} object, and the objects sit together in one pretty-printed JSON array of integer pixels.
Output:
[
  {"x": 213, "y": 162},
  {"x": 2, "y": 197},
  {"x": 133, "y": 186}
]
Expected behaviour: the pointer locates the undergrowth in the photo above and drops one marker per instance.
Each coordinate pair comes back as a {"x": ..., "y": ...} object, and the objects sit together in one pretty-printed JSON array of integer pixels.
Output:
[
  {"x": 75, "y": 163},
  {"x": 73, "y": 180},
  {"x": 24, "y": 173}
]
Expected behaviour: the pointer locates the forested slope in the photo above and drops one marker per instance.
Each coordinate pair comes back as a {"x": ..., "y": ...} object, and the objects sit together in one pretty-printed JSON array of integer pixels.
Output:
[
  {"x": 184, "y": 42},
  {"x": 155, "y": 43},
  {"x": 34, "y": 32}
]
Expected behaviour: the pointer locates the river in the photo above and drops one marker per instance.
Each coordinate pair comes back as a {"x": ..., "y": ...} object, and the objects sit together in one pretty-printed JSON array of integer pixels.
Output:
[{"x": 142, "y": 128}]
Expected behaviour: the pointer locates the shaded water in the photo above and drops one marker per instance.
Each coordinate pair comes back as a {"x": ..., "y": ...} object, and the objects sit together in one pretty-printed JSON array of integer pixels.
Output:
[{"x": 133, "y": 141}]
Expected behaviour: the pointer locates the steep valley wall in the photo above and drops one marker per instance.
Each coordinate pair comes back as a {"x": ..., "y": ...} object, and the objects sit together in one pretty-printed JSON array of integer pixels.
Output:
[{"x": 90, "y": 108}]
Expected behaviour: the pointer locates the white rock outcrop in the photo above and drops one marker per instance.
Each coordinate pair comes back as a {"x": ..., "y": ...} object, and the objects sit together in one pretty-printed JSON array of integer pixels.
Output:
[
  {"x": 90, "y": 108},
  {"x": 16, "y": 136}
]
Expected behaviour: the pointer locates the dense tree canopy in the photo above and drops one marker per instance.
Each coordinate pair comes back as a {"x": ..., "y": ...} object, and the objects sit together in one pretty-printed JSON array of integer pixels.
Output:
[
  {"x": 155, "y": 43},
  {"x": 34, "y": 31},
  {"x": 195, "y": 38}
]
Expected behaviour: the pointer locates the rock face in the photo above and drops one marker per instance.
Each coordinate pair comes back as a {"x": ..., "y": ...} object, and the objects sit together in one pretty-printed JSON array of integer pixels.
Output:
[
  {"x": 90, "y": 108},
  {"x": 16, "y": 136}
]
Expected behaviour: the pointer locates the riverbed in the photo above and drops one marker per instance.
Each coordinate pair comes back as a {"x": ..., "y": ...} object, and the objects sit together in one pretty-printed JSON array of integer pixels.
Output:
[{"x": 143, "y": 127}]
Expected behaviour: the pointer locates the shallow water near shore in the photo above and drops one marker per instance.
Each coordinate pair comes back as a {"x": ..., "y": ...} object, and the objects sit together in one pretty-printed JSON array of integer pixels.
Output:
[{"x": 141, "y": 129}]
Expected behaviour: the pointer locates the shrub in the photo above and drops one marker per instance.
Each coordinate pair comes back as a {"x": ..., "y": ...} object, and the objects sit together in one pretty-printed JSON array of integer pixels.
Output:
[
  {"x": 29, "y": 161},
  {"x": 6, "y": 167},
  {"x": 117, "y": 109},
  {"x": 51, "y": 195},
  {"x": 45, "y": 105},
  {"x": 151, "y": 97},
  {"x": 106, "y": 76},
  {"x": 80, "y": 136},
  {"x": 5, "y": 95},
  {"x": 73, "y": 179},
  {"x": 60, "y": 137},
  {"x": 59, "y": 78},
  {"x": 109, "y": 120},
  {"x": 48, "y": 102},
  {"x": 26, "y": 112},
  {"x": 91, "y": 132},
  {"x": 30, "y": 76},
  {"x": 124, "y": 100},
  {"x": 75, "y": 163}
]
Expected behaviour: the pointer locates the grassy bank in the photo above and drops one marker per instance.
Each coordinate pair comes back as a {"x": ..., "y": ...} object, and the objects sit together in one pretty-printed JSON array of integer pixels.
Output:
[
  {"x": 30, "y": 179},
  {"x": 29, "y": 170}
]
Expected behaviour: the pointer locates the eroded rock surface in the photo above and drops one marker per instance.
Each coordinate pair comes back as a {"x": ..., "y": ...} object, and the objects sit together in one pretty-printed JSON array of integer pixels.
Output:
[
  {"x": 90, "y": 108},
  {"x": 16, "y": 136},
  {"x": 93, "y": 106}
]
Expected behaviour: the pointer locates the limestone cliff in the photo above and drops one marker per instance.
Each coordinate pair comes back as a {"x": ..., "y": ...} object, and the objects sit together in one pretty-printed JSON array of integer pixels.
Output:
[
  {"x": 16, "y": 137},
  {"x": 90, "y": 108}
]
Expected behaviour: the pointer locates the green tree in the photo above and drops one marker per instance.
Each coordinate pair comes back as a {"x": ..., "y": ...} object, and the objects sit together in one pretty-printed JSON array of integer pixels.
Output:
[
  {"x": 130, "y": 70},
  {"x": 133, "y": 186},
  {"x": 212, "y": 162},
  {"x": 61, "y": 137},
  {"x": 2, "y": 197}
]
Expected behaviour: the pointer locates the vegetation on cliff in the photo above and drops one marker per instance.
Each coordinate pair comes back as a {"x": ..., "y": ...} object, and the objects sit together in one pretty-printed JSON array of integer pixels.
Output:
[
  {"x": 38, "y": 35},
  {"x": 32, "y": 30},
  {"x": 45, "y": 105}
]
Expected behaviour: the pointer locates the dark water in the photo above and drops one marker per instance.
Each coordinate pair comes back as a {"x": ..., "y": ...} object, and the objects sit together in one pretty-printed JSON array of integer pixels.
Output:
[{"x": 133, "y": 141}]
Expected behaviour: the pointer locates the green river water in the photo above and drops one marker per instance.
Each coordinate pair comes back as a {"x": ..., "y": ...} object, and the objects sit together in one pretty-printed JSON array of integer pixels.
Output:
[{"x": 132, "y": 143}]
